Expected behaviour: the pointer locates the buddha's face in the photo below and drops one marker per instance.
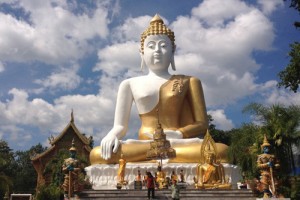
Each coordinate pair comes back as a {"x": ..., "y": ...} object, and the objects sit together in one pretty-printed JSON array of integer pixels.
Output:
[
  {"x": 209, "y": 158},
  {"x": 157, "y": 52}
]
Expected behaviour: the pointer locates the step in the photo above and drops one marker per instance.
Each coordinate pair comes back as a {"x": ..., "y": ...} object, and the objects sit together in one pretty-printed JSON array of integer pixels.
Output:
[{"x": 166, "y": 194}]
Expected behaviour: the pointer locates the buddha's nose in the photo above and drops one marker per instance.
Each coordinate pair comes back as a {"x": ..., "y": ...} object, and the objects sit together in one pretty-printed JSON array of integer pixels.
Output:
[{"x": 157, "y": 48}]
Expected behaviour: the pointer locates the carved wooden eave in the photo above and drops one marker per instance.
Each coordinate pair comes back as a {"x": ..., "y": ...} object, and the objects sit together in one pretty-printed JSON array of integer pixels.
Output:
[
  {"x": 71, "y": 124},
  {"x": 40, "y": 155},
  {"x": 80, "y": 136}
]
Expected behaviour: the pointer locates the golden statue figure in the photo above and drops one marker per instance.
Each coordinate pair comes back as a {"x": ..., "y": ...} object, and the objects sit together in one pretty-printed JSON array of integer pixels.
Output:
[
  {"x": 161, "y": 177},
  {"x": 71, "y": 170},
  {"x": 121, "y": 170},
  {"x": 210, "y": 174},
  {"x": 139, "y": 176},
  {"x": 174, "y": 176},
  {"x": 179, "y": 99},
  {"x": 267, "y": 163}
]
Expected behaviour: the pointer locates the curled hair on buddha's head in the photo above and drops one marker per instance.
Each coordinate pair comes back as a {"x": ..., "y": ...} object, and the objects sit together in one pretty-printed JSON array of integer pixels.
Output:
[{"x": 157, "y": 27}]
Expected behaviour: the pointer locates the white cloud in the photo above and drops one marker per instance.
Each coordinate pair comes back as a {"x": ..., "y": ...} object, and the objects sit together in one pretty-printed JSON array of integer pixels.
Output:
[
  {"x": 131, "y": 29},
  {"x": 52, "y": 34},
  {"x": 281, "y": 96},
  {"x": 215, "y": 12},
  {"x": 269, "y": 6},
  {"x": 93, "y": 114},
  {"x": 220, "y": 119},
  {"x": 1, "y": 67},
  {"x": 119, "y": 58},
  {"x": 66, "y": 79}
]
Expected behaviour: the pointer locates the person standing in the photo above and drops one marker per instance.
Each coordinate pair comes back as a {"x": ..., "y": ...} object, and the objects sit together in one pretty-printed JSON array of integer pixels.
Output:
[
  {"x": 150, "y": 185},
  {"x": 174, "y": 190}
]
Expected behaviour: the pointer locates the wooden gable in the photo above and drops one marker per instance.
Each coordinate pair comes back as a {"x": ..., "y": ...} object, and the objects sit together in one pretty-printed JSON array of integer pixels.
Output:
[{"x": 61, "y": 142}]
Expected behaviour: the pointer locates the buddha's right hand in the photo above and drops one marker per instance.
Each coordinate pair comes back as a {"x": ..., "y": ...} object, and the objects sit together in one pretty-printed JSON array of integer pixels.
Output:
[{"x": 109, "y": 144}]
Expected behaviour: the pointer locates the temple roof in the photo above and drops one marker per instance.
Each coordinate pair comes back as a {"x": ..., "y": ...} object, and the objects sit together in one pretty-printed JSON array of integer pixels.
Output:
[{"x": 53, "y": 142}]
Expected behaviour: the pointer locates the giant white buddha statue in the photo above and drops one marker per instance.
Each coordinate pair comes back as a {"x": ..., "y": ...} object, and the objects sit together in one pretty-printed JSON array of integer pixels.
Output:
[{"x": 179, "y": 100}]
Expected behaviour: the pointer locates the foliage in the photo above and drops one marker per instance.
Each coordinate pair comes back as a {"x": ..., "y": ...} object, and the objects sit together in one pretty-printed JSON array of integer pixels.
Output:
[
  {"x": 295, "y": 194},
  {"x": 54, "y": 167},
  {"x": 25, "y": 176},
  {"x": 295, "y": 4},
  {"x": 290, "y": 76},
  {"x": 280, "y": 124},
  {"x": 218, "y": 135},
  {"x": 244, "y": 149},
  {"x": 50, "y": 192},
  {"x": 6, "y": 157}
]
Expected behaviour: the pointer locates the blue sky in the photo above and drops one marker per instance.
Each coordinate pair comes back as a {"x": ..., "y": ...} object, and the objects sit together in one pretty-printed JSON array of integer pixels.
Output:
[{"x": 58, "y": 55}]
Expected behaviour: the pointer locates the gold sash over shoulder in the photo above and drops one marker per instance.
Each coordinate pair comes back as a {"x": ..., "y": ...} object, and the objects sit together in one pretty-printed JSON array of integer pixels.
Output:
[{"x": 179, "y": 108}]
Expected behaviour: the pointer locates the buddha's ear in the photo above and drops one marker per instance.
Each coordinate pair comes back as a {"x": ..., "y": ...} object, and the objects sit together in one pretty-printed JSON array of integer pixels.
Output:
[
  {"x": 172, "y": 60},
  {"x": 142, "y": 60}
]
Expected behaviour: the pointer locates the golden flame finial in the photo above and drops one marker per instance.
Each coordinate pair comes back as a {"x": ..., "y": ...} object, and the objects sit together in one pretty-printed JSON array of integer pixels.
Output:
[
  {"x": 266, "y": 142},
  {"x": 156, "y": 19}
]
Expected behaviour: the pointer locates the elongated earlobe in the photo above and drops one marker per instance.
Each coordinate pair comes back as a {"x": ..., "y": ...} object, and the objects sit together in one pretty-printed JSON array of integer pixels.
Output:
[
  {"x": 173, "y": 60},
  {"x": 142, "y": 61},
  {"x": 173, "y": 63},
  {"x": 142, "y": 64}
]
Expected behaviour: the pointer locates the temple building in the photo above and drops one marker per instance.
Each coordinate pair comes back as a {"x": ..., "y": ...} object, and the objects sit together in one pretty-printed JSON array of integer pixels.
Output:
[{"x": 61, "y": 142}]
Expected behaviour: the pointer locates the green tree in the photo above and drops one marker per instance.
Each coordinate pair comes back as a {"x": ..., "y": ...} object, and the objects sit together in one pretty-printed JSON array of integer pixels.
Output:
[
  {"x": 280, "y": 124},
  {"x": 218, "y": 135},
  {"x": 6, "y": 157},
  {"x": 290, "y": 76},
  {"x": 244, "y": 149},
  {"x": 25, "y": 176}
]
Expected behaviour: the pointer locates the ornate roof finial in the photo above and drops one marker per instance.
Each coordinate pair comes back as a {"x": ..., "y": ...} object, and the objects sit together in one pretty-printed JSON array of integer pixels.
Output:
[
  {"x": 266, "y": 142},
  {"x": 72, "y": 116}
]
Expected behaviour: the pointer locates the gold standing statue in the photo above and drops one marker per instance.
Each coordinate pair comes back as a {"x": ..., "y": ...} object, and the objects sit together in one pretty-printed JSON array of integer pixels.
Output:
[
  {"x": 179, "y": 98},
  {"x": 71, "y": 170},
  {"x": 121, "y": 171},
  {"x": 267, "y": 163}
]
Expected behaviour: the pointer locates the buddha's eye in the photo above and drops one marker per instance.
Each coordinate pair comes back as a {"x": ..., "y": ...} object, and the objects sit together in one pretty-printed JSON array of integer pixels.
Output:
[
  {"x": 163, "y": 44},
  {"x": 151, "y": 45}
]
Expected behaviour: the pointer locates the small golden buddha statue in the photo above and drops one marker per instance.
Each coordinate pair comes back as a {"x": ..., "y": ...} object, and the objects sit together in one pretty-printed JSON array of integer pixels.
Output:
[
  {"x": 179, "y": 98},
  {"x": 210, "y": 174},
  {"x": 138, "y": 176},
  {"x": 174, "y": 176},
  {"x": 161, "y": 177}
]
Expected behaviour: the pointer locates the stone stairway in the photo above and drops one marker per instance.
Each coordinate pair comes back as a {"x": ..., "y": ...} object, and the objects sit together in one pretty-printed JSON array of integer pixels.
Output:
[{"x": 166, "y": 194}]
